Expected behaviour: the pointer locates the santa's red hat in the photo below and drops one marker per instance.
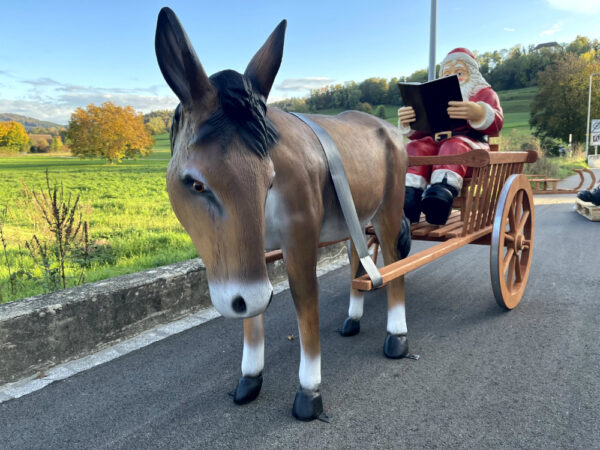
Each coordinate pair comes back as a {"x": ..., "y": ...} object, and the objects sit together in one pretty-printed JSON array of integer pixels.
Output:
[{"x": 461, "y": 54}]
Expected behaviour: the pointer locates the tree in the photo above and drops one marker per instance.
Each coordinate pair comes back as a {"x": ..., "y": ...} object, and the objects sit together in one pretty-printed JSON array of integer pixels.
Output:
[
  {"x": 560, "y": 105},
  {"x": 380, "y": 111},
  {"x": 56, "y": 144},
  {"x": 109, "y": 131},
  {"x": 13, "y": 136},
  {"x": 158, "y": 122}
]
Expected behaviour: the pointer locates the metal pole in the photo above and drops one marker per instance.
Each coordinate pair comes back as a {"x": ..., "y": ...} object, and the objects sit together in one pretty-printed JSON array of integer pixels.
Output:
[
  {"x": 432, "y": 27},
  {"x": 587, "y": 131}
]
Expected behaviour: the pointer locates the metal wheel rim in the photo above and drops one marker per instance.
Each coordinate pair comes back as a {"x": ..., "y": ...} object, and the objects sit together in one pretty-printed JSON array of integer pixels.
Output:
[{"x": 512, "y": 241}]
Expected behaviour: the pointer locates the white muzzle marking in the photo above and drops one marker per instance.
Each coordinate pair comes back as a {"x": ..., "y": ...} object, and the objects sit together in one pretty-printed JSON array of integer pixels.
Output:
[{"x": 255, "y": 296}]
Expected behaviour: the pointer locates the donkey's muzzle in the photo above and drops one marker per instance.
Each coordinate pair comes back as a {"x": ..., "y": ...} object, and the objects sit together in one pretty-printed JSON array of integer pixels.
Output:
[{"x": 241, "y": 300}]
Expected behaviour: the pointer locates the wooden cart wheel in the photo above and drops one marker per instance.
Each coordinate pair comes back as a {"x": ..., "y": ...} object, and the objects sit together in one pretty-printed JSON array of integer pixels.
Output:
[{"x": 512, "y": 241}]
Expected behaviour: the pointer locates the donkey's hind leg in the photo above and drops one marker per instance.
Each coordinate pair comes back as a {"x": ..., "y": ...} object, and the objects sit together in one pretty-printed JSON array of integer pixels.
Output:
[
  {"x": 253, "y": 360},
  {"x": 393, "y": 232},
  {"x": 351, "y": 325}
]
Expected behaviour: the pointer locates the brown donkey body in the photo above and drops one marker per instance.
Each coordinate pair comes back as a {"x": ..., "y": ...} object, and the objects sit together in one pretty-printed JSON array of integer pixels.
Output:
[{"x": 245, "y": 178}]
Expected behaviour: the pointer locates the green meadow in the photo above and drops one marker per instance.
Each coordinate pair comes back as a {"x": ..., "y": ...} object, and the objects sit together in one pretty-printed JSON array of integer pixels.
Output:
[
  {"x": 132, "y": 226},
  {"x": 515, "y": 104}
]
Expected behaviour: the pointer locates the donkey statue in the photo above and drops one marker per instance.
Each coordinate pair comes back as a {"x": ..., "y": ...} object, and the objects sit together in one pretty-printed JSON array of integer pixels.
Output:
[{"x": 244, "y": 178}]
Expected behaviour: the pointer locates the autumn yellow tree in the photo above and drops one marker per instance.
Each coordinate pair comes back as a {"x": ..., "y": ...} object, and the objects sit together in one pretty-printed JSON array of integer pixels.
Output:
[
  {"x": 110, "y": 131},
  {"x": 13, "y": 137}
]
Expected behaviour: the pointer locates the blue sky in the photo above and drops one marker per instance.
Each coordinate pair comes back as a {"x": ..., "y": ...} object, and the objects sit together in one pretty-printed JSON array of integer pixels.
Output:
[{"x": 56, "y": 56}]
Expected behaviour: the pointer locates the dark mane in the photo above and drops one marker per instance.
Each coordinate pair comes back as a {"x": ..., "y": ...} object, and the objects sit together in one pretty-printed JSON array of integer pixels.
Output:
[{"x": 242, "y": 112}]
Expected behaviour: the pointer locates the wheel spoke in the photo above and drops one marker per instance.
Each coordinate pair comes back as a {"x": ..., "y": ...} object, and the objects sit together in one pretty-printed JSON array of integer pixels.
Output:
[
  {"x": 511, "y": 218},
  {"x": 517, "y": 265},
  {"x": 508, "y": 256},
  {"x": 509, "y": 238},
  {"x": 510, "y": 276},
  {"x": 519, "y": 203},
  {"x": 523, "y": 221}
]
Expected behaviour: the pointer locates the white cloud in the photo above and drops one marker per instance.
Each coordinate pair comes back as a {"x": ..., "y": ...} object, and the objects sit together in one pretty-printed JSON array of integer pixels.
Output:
[
  {"x": 578, "y": 6},
  {"x": 296, "y": 84},
  {"x": 509, "y": 29},
  {"x": 555, "y": 28},
  {"x": 54, "y": 101}
]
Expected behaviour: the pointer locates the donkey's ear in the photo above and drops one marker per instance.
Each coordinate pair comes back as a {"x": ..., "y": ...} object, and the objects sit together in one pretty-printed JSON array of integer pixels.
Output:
[
  {"x": 263, "y": 67},
  {"x": 178, "y": 61}
]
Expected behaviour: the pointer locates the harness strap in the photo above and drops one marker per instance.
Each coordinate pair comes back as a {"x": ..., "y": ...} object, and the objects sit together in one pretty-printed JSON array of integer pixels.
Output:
[{"x": 342, "y": 189}]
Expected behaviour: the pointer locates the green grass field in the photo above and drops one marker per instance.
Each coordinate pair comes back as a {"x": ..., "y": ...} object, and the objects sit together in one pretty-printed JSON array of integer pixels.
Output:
[
  {"x": 132, "y": 226},
  {"x": 515, "y": 104}
]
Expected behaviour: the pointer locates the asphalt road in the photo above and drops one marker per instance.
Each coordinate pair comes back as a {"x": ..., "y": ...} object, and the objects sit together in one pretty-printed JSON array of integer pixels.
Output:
[{"x": 529, "y": 378}]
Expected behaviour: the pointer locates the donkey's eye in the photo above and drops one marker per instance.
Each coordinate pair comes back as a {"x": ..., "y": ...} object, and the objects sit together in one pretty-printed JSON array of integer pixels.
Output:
[{"x": 198, "y": 186}]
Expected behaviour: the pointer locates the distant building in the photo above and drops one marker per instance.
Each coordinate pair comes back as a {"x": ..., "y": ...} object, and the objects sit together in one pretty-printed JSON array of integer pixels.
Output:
[{"x": 549, "y": 45}]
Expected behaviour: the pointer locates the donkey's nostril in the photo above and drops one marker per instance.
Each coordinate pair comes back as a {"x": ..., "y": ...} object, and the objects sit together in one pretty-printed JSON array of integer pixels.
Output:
[{"x": 239, "y": 305}]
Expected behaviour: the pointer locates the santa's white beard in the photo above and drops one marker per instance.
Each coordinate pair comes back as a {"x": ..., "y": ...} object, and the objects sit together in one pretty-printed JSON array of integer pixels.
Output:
[{"x": 475, "y": 84}]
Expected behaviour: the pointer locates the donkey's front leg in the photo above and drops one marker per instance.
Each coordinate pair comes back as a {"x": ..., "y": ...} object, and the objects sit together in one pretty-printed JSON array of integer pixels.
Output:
[
  {"x": 301, "y": 265},
  {"x": 253, "y": 360}
]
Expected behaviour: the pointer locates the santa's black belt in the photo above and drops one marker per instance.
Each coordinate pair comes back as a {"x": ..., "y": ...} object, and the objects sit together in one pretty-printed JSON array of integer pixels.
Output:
[{"x": 473, "y": 134}]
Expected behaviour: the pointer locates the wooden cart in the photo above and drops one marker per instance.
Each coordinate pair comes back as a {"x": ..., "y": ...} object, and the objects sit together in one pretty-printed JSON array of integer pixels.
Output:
[{"x": 495, "y": 208}]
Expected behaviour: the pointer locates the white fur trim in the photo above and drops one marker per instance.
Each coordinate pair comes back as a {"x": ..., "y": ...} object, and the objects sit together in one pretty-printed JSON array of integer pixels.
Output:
[
  {"x": 403, "y": 129},
  {"x": 357, "y": 301},
  {"x": 396, "y": 322},
  {"x": 415, "y": 181},
  {"x": 452, "y": 178},
  {"x": 487, "y": 120},
  {"x": 310, "y": 372}
]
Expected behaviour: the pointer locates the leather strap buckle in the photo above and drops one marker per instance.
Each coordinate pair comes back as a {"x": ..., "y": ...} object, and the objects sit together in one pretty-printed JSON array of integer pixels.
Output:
[{"x": 441, "y": 135}]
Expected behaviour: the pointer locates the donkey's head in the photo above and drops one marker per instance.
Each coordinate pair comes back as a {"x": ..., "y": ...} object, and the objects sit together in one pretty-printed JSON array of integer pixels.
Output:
[{"x": 220, "y": 171}]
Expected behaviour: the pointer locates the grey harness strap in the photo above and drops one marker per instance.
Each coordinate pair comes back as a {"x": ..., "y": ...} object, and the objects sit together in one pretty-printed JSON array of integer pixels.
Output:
[{"x": 342, "y": 189}]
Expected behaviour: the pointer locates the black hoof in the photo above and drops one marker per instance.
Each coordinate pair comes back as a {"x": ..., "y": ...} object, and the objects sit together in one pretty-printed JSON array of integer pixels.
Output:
[
  {"x": 247, "y": 389},
  {"x": 351, "y": 327},
  {"x": 396, "y": 346},
  {"x": 308, "y": 405}
]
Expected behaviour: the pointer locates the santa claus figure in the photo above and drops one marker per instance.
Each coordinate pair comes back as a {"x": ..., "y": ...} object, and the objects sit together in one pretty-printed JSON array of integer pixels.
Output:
[{"x": 431, "y": 189}]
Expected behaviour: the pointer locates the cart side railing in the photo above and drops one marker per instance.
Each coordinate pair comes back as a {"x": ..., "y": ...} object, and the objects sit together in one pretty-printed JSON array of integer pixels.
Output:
[
  {"x": 479, "y": 195},
  {"x": 478, "y": 202}
]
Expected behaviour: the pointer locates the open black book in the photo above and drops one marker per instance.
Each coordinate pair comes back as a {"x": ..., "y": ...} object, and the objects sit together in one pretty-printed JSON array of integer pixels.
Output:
[{"x": 430, "y": 102}]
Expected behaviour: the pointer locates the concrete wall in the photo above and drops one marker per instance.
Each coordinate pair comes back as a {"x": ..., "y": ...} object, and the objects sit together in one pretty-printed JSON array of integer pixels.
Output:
[{"x": 39, "y": 332}]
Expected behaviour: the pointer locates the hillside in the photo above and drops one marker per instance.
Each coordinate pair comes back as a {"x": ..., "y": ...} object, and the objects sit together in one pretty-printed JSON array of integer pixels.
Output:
[
  {"x": 28, "y": 122},
  {"x": 516, "y": 104}
]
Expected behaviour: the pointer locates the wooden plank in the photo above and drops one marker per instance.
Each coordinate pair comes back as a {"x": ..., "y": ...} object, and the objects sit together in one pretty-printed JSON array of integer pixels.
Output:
[
  {"x": 413, "y": 262},
  {"x": 513, "y": 157},
  {"x": 427, "y": 228},
  {"x": 473, "y": 158},
  {"x": 444, "y": 230}
]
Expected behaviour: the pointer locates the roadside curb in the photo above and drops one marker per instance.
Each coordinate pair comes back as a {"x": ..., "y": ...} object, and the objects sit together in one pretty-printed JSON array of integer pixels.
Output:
[{"x": 41, "y": 332}]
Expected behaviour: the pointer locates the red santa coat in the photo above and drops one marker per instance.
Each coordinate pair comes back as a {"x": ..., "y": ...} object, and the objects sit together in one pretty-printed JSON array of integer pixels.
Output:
[{"x": 423, "y": 144}]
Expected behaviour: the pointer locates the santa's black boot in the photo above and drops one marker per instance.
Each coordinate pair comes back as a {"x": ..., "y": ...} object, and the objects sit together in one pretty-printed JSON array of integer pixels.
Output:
[
  {"x": 437, "y": 202},
  {"x": 412, "y": 203},
  {"x": 586, "y": 196},
  {"x": 595, "y": 196}
]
